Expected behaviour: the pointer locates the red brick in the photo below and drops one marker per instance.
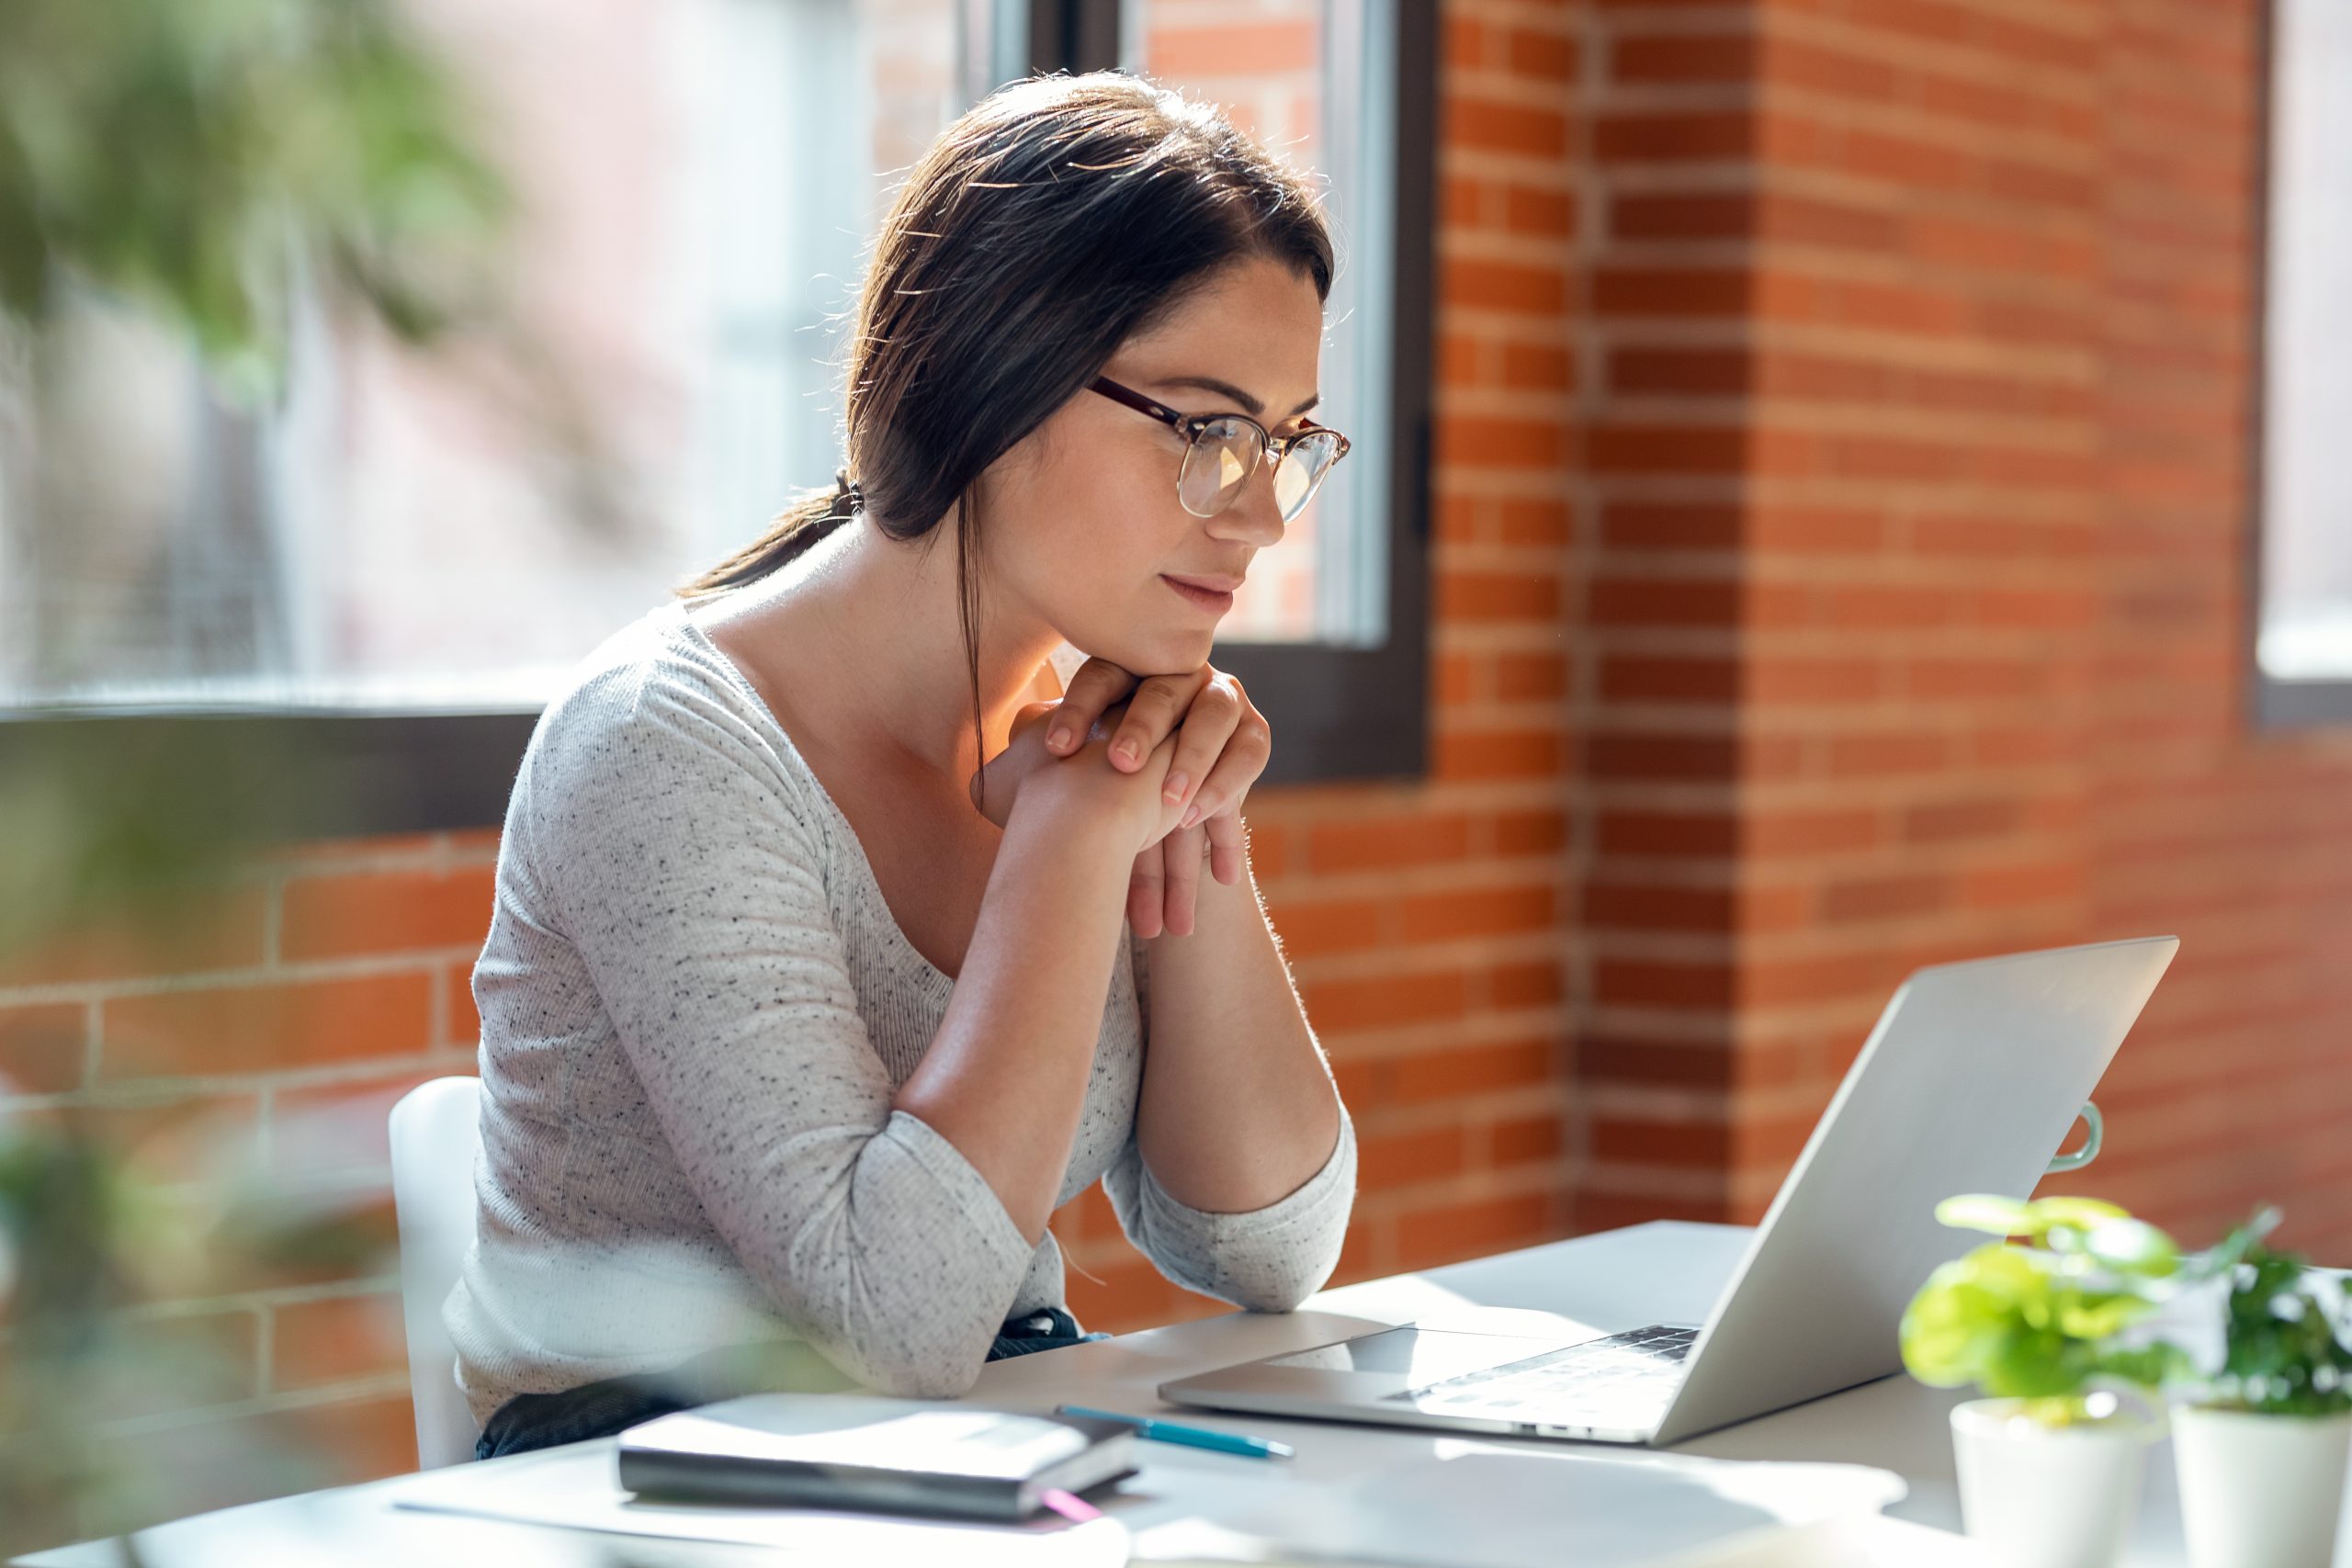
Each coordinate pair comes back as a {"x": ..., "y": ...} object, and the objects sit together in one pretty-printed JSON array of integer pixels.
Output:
[
  {"x": 1684, "y": 57},
  {"x": 1403, "y": 1159},
  {"x": 1503, "y": 286},
  {"x": 1686, "y": 136},
  {"x": 42, "y": 1049},
  {"x": 1311, "y": 930},
  {"x": 1623, "y": 905},
  {"x": 1628, "y": 982},
  {"x": 1635, "y": 679},
  {"x": 1530, "y": 677},
  {"x": 1546, "y": 57},
  {"x": 1497, "y": 597},
  {"x": 1449, "y": 917},
  {"x": 335, "y": 917},
  {"x": 1386, "y": 843},
  {"x": 1430, "y": 1237},
  {"x": 1524, "y": 985},
  {"x": 1337, "y": 1006},
  {"x": 1514, "y": 129},
  {"x": 254, "y": 1029},
  {"x": 1531, "y": 832},
  {"x": 336, "y": 1339},
  {"x": 1500, "y": 754},
  {"x": 1525, "y": 1140},
  {"x": 1474, "y": 1070},
  {"x": 1629, "y": 1142}
]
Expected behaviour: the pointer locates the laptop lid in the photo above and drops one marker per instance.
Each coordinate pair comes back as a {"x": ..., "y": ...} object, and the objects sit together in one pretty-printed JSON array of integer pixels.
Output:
[{"x": 1967, "y": 1084}]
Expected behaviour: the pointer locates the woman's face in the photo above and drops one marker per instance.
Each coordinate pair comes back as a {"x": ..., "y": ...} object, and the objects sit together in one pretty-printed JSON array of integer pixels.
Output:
[{"x": 1084, "y": 528}]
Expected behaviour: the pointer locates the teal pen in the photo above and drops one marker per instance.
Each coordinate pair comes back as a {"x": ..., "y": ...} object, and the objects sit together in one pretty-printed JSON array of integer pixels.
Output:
[{"x": 1191, "y": 1437}]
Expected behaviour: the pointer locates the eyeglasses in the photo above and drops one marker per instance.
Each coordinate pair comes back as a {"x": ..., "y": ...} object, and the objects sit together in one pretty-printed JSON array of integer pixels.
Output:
[{"x": 1222, "y": 451}]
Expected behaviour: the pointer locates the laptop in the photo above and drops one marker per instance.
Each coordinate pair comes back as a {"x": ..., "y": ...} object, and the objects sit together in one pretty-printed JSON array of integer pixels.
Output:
[{"x": 1968, "y": 1083}]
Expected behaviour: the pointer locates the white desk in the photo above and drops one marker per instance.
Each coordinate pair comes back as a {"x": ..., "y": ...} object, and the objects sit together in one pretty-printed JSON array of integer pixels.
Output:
[{"x": 1662, "y": 1272}]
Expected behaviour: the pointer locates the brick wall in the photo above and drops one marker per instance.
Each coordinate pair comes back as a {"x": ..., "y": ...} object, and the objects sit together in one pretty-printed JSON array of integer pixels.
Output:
[
  {"x": 1915, "y": 383},
  {"x": 1840, "y": 554}
]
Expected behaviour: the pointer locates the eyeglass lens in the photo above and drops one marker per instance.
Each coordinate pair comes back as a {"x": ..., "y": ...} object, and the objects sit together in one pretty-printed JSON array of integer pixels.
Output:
[{"x": 1228, "y": 452}]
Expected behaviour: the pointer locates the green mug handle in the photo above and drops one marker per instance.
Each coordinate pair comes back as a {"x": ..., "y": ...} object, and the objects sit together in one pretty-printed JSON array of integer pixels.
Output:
[{"x": 2095, "y": 1126}]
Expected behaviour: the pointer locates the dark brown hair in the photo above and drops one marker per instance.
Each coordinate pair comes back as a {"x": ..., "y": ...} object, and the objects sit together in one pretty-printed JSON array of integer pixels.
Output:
[{"x": 1059, "y": 217}]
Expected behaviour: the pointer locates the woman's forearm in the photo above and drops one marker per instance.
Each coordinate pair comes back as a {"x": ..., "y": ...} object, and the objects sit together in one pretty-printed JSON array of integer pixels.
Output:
[
  {"x": 1238, "y": 1110},
  {"x": 1006, "y": 1077}
]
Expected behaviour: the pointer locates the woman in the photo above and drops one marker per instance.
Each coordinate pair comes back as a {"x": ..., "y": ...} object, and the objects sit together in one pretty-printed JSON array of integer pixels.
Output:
[{"x": 799, "y": 1022}]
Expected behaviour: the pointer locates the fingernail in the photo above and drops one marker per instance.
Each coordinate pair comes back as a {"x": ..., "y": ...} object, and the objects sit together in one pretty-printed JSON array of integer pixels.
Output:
[
  {"x": 1127, "y": 750},
  {"x": 1058, "y": 739},
  {"x": 1175, "y": 790},
  {"x": 1204, "y": 803},
  {"x": 1192, "y": 815}
]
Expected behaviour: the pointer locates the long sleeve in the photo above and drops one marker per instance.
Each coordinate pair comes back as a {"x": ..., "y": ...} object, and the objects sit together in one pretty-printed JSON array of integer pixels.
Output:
[
  {"x": 688, "y": 871},
  {"x": 1266, "y": 1259}
]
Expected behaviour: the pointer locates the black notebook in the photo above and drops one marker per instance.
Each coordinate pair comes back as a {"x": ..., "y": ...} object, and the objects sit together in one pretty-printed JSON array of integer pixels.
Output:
[{"x": 821, "y": 1450}]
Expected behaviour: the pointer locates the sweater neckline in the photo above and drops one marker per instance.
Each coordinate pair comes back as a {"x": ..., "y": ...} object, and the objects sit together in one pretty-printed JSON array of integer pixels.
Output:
[{"x": 932, "y": 975}]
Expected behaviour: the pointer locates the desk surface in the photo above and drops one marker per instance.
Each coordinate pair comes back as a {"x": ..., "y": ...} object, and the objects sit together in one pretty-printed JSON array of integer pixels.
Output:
[{"x": 1662, "y": 1272}]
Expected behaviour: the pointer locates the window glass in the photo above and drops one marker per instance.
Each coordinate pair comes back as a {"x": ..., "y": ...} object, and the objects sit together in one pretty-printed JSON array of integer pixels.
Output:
[
  {"x": 412, "y": 531},
  {"x": 1297, "y": 74},
  {"x": 408, "y": 531},
  {"x": 2306, "y": 630}
]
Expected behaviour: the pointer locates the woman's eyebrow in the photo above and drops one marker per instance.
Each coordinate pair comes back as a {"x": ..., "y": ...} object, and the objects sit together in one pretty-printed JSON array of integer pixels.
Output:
[{"x": 1250, "y": 405}]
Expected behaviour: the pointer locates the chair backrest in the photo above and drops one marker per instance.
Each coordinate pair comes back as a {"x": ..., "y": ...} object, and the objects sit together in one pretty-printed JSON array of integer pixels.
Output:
[{"x": 436, "y": 1138}]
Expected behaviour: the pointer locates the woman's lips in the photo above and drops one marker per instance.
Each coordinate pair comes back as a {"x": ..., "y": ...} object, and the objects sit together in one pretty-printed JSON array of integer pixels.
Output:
[{"x": 1207, "y": 599}]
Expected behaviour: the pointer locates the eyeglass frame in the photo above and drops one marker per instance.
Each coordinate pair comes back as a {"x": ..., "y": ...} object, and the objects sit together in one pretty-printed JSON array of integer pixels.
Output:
[{"x": 1192, "y": 426}]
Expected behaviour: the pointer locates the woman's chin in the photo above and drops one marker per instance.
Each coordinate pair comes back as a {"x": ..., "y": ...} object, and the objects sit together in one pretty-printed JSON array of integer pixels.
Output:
[{"x": 1166, "y": 653}]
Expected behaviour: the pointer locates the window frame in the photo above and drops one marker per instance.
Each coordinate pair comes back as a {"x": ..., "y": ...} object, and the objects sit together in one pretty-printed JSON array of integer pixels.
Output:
[{"x": 1340, "y": 713}]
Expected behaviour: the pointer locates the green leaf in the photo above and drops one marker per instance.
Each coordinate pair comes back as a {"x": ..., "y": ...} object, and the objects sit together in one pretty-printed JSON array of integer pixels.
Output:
[{"x": 1984, "y": 1212}]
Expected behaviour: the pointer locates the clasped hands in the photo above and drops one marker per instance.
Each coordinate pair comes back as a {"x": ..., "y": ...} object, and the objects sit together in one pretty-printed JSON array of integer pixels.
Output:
[{"x": 1219, "y": 744}]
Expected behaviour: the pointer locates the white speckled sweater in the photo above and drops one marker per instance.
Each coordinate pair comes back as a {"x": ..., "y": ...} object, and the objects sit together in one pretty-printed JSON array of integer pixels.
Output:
[{"x": 696, "y": 1009}]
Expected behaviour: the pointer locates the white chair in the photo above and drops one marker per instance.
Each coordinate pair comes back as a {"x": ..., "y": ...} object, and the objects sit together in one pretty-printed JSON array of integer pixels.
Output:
[{"x": 435, "y": 1138}]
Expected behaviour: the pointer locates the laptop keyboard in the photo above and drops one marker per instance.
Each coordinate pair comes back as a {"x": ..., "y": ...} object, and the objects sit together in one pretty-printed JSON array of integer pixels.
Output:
[{"x": 1622, "y": 1380}]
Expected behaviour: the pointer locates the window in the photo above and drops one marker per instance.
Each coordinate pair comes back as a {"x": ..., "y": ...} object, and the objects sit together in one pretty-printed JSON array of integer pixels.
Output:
[
  {"x": 2304, "y": 649},
  {"x": 393, "y": 571}
]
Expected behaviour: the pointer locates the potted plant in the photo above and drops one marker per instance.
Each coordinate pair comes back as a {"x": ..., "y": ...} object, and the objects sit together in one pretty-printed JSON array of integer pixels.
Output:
[
  {"x": 2049, "y": 1461},
  {"x": 2261, "y": 1445}
]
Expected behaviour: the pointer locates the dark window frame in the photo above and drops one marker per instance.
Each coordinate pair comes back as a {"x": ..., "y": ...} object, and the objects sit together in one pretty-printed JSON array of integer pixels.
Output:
[{"x": 1338, "y": 713}]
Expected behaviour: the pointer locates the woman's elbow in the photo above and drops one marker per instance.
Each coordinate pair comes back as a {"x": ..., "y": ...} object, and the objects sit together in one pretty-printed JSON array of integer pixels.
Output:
[
  {"x": 923, "y": 1380},
  {"x": 1285, "y": 1285}
]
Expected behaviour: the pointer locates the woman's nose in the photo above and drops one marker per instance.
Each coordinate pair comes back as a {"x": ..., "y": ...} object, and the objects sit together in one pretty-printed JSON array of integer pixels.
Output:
[{"x": 1255, "y": 517}]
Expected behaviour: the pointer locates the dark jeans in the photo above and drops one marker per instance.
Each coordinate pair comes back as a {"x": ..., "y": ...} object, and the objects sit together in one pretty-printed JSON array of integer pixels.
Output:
[{"x": 599, "y": 1409}]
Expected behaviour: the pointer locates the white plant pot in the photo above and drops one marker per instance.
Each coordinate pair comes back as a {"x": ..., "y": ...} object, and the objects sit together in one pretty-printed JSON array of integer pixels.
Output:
[
  {"x": 2040, "y": 1497},
  {"x": 2261, "y": 1491}
]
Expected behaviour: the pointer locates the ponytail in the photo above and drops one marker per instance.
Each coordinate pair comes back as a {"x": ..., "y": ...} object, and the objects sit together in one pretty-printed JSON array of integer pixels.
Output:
[{"x": 789, "y": 533}]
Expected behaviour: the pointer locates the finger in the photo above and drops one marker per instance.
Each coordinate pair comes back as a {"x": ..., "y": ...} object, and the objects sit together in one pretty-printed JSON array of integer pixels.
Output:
[
  {"x": 1143, "y": 891},
  {"x": 1095, "y": 687},
  {"x": 1153, "y": 714},
  {"x": 1228, "y": 845},
  {"x": 1208, "y": 725},
  {"x": 1181, "y": 860},
  {"x": 1245, "y": 757}
]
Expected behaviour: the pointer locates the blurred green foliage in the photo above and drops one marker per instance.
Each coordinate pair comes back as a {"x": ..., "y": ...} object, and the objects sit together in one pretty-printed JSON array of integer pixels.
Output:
[
  {"x": 198, "y": 155},
  {"x": 2284, "y": 1355},
  {"x": 2052, "y": 1321},
  {"x": 2043, "y": 1323},
  {"x": 206, "y": 162}
]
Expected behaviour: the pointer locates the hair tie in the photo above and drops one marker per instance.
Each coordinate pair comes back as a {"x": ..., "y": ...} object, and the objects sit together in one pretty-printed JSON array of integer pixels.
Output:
[{"x": 846, "y": 490}]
